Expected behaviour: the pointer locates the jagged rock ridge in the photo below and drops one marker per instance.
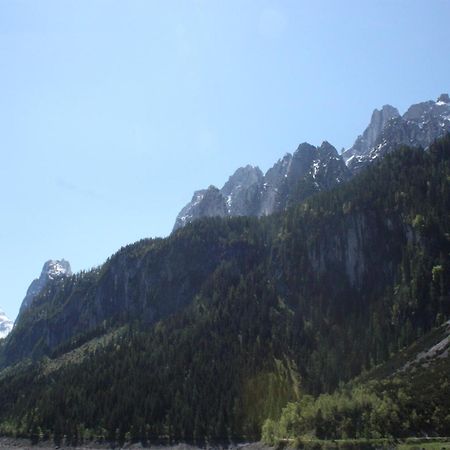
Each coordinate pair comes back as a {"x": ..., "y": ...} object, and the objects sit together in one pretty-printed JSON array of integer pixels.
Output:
[
  {"x": 248, "y": 192},
  {"x": 6, "y": 325},
  {"x": 205, "y": 203},
  {"x": 311, "y": 169},
  {"x": 242, "y": 191},
  {"x": 365, "y": 142},
  {"x": 421, "y": 124},
  {"x": 53, "y": 269}
]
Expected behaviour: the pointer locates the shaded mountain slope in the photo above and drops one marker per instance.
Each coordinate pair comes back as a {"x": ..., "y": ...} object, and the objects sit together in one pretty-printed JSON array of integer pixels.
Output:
[{"x": 145, "y": 281}]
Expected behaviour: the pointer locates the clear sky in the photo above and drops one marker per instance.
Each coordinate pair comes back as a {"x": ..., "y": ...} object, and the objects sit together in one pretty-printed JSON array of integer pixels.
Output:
[{"x": 113, "y": 112}]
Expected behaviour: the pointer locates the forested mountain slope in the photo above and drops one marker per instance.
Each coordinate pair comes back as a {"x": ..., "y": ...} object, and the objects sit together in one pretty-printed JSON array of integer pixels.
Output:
[
  {"x": 409, "y": 395},
  {"x": 214, "y": 329}
]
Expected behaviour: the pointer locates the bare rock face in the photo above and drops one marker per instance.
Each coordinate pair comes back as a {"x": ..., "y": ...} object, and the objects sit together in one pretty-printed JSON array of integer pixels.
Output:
[
  {"x": 272, "y": 189},
  {"x": 365, "y": 142},
  {"x": 53, "y": 269},
  {"x": 6, "y": 325},
  {"x": 421, "y": 124},
  {"x": 242, "y": 191},
  {"x": 205, "y": 203},
  {"x": 250, "y": 193},
  {"x": 294, "y": 177},
  {"x": 329, "y": 168}
]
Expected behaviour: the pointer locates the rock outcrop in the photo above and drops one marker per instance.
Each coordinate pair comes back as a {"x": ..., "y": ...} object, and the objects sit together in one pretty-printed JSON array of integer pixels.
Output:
[
  {"x": 365, "y": 142},
  {"x": 52, "y": 270}
]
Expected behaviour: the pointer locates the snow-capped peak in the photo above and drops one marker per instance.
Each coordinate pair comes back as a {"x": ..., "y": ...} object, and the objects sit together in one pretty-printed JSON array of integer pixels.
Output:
[
  {"x": 53, "y": 269},
  {"x": 5, "y": 325},
  {"x": 57, "y": 268},
  {"x": 443, "y": 99}
]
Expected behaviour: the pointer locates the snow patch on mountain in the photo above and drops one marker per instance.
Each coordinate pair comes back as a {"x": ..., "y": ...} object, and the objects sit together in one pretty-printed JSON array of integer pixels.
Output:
[
  {"x": 421, "y": 124},
  {"x": 6, "y": 325},
  {"x": 52, "y": 270}
]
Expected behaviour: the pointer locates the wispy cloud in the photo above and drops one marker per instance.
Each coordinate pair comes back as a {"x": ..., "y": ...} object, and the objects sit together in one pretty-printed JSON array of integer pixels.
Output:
[{"x": 68, "y": 186}]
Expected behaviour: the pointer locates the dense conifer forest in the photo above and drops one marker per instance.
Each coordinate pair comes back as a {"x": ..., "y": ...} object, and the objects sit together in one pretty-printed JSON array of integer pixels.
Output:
[{"x": 238, "y": 327}]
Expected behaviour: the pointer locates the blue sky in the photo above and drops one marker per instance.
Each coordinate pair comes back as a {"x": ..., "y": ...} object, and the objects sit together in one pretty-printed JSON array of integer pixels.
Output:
[{"x": 113, "y": 112}]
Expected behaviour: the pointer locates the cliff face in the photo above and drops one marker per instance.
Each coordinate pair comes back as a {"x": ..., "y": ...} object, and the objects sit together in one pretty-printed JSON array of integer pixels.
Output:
[
  {"x": 242, "y": 191},
  {"x": 362, "y": 247},
  {"x": 365, "y": 142}
]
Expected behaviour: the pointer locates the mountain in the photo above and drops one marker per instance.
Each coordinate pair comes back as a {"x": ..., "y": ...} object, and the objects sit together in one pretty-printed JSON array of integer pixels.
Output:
[
  {"x": 242, "y": 191},
  {"x": 205, "y": 203},
  {"x": 365, "y": 142},
  {"x": 211, "y": 331},
  {"x": 250, "y": 193},
  {"x": 52, "y": 270},
  {"x": 407, "y": 395},
  {"x": 311, "y": 169},
  {"x": 421, "y": 124},
  {"x": 6, "y": 325}
]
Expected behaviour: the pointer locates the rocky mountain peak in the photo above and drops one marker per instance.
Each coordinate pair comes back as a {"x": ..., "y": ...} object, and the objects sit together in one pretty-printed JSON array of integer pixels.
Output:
[
  {"x": 53, "y": 269},
  {"x": 312, "y": 169},
  {"x": 205, "y": 203},
  {"x": 6, "y": 325},
  {"x": 421, "y": 124},
  {"x": 244, "y": 176},
  {"x": 389, "y": 110},
  {"x": 56, "y": 268},
  {"x": 365, "y": 142},
  {"x": 443, "y": 98},
  {"x": 428, "y": 111},
  {"x": 380, "y": 117},
  {"x": 304, "y": 147},
  {"x": 328, "y": 168},
  {"x": 304, "y": 154},
  {"x": 326, "y": 149},
  {"x": 242, "y": 190}
]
